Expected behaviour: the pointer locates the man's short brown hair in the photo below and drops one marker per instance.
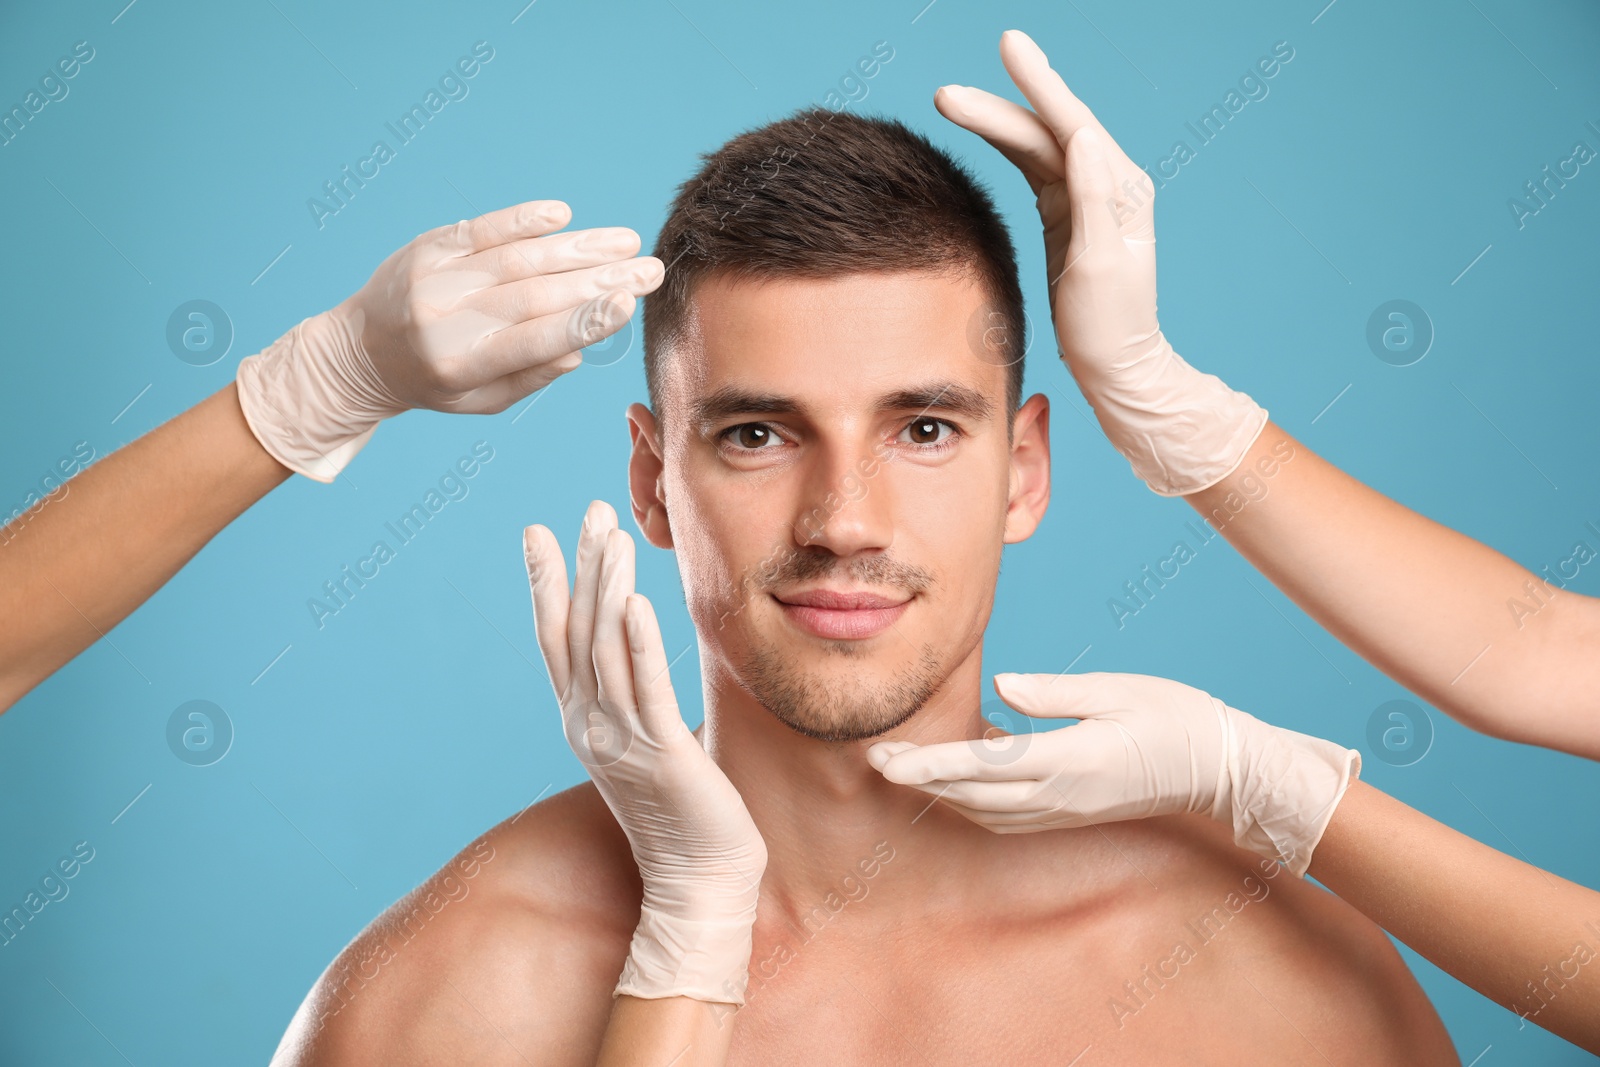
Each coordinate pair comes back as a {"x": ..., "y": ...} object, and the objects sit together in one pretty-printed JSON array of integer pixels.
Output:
[{"x": 823, "y": 193}]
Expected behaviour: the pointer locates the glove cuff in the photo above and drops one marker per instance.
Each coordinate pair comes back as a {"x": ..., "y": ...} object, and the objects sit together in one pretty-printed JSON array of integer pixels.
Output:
[
  {"x": 1284, "y": 794},
  {"x": 1180, "y": 429},
  {"x": 310, "y": 397},
  {"x": 675, "y": 957}
]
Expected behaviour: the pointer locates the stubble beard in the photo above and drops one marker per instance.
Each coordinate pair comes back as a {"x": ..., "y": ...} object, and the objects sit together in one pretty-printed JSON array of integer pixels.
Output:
[{"x": 834, "y": 710}]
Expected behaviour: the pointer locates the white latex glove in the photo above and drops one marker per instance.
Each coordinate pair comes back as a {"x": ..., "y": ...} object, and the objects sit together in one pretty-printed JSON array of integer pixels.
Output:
[
  {"x": 699, "y": 854},
  {"x": 470, "y": 317},
  {"x": 1146, "y": 746},
  {"x": 1180, "y": 429}
]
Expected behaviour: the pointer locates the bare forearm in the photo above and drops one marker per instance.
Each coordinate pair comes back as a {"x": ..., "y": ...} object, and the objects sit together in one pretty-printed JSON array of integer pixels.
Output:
[
  {"x": 1469, "y": 630},
  {"x": 1521, "y": 936},
  {"x": 80, "y": 562},
  {"x": 679, "y": 1031}
]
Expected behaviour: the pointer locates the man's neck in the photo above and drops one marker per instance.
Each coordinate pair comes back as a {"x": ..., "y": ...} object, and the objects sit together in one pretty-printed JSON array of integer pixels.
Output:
[{"x": 820, "y": 806}]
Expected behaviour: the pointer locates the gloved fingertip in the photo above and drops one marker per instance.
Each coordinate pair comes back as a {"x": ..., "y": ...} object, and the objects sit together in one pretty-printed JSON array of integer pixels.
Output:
[
  {"x": 618, "y": 554},
  {"x": 600, "y": 515},
  {"x": 900, "y": 771},
  {"x": 905, "y": 772},
  {"x": 634, "y": 605},
  {"x": 545, "y": 214},
  {"x": 1022, "y": 47},
  {"x": 1009, "y": 685},
  {"x": 951, "y": 106},
  {"x": 530, "y": 547},
  {"x": 1018, "y": 680},
  {"x": 881, "y": 752}
]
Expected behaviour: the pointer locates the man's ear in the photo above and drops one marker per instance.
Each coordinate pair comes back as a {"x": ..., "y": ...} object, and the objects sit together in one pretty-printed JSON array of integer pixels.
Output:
[
  {"x": 646, "y": 488},
  {"x": 1029, "y": 494}
]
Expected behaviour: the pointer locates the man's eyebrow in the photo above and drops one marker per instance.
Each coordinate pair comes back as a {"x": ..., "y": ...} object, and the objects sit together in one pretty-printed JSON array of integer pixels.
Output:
[
  {"x": 951, "y": 397},
  {"x": 731, "y": 400},
  {"x": 946, "y": 396}
]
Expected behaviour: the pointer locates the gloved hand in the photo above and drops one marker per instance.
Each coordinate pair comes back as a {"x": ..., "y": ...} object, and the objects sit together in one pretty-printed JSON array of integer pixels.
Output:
[
  {"x": 1180, "y": 429},
  {"x": 699, "y": 853},
  {"x": 1145, "y": 746},
  {"x": 469, "y": 317}
]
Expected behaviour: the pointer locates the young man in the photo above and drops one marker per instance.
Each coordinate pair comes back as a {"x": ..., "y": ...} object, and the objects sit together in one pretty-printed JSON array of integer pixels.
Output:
[{"x": 836, "y": 451}]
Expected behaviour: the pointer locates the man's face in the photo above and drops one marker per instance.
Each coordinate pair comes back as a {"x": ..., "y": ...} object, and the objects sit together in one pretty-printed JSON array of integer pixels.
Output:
[{"x": 838, "y": 483}]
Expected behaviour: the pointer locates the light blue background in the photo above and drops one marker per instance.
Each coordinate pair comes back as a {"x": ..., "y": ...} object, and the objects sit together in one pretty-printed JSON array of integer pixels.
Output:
[{"x": 1378, "y": 167}]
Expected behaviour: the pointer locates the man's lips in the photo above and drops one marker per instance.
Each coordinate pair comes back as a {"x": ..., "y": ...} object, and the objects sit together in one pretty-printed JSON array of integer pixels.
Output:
[
  {"x": 838, "y": 600},
  {"x": 841, "y": 615}
]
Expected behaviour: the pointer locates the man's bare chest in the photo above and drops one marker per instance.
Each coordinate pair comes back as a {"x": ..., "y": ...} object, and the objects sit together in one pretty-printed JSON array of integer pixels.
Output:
[
  {"x": 1132, "y": 979},
  {"x": 923, "y": 998}
]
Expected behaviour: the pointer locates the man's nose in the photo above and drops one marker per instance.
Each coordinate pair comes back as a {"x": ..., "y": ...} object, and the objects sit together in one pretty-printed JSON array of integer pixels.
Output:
[{"x": 845, "y": 505}]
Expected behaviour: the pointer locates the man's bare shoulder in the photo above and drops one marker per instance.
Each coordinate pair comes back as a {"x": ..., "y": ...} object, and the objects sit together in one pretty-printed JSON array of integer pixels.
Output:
[
  {"x": 509, "y": 952},
  {"x": 1203, "y": 931}
]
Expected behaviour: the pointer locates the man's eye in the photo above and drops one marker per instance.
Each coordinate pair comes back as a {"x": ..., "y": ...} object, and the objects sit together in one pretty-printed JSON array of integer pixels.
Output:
[
  {"x": 926, "y": 431},
  {"x": 750, "y": 436}
]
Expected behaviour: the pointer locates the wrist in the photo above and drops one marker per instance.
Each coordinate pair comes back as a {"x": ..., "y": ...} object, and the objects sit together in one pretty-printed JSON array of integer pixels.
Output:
[
  {"x": 1180, "y": 429},
  {"x": 311, "y": 397},
  {"x": 1281, "y": 789},
  {"x": 702, "y": 958}
]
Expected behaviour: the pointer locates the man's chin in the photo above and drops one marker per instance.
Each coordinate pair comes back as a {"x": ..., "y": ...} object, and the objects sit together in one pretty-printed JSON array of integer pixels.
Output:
[
  {"x": 842, "y": 729},
  {"x": 841, "y": 706}
]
